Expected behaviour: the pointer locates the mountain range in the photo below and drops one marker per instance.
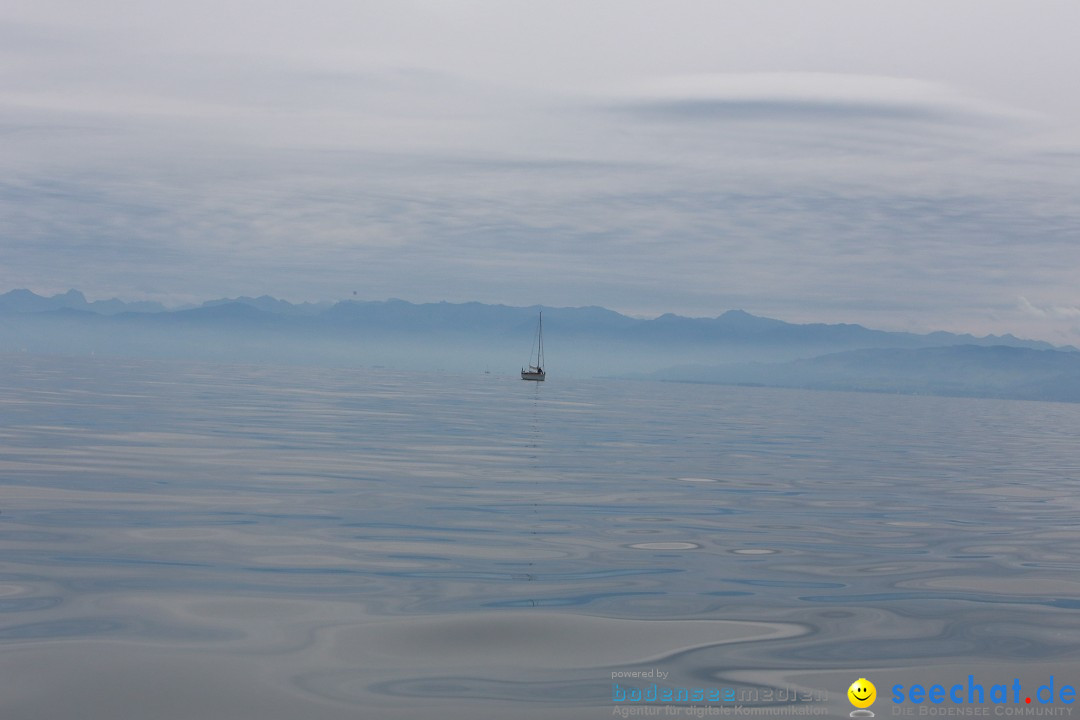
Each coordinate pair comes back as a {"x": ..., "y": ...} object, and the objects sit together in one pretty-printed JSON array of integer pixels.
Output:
[{"x": 733, "y": 348}]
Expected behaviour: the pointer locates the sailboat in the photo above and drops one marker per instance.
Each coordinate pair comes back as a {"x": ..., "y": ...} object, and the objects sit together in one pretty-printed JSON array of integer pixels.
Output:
[{"x": 536, "y": 372}]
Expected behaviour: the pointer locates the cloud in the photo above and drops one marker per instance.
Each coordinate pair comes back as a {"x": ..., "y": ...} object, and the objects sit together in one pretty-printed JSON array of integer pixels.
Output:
[
  {"x": 471, "y": 153},
  {"x": 1048, "y": 311},
  {"x": 802, "y": 96}
]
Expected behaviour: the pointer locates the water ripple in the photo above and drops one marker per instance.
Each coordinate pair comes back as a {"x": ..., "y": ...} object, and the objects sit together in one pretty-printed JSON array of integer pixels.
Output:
[{"x": 377, "y": 542}]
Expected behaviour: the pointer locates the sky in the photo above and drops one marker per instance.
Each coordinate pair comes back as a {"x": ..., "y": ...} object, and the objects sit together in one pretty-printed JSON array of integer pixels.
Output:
[{"x": 904, "y": 165}]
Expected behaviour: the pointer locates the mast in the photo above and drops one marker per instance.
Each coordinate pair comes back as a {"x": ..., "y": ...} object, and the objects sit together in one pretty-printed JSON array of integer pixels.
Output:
[{"x": 540, "y": 342}]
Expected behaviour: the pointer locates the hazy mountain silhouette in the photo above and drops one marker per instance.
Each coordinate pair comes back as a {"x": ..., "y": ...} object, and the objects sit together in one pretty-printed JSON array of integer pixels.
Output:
[
  {"x": 26, "y": 301},
  {"x": 735, "y": 347}
]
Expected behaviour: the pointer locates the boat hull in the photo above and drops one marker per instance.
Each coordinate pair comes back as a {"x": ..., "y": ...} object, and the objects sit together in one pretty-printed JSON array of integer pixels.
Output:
[{"x": 537, "y": 376}]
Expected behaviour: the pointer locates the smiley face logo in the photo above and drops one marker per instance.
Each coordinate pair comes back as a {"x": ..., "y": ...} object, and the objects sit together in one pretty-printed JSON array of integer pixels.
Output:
[{"x": 862, "y": 693}]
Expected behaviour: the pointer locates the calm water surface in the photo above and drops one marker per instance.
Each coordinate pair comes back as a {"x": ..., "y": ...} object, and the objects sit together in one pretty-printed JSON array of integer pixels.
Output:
[{"x": 196, "y": 541}]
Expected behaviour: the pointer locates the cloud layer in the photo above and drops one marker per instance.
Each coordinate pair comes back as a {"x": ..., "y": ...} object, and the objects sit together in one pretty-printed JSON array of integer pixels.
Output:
[{"x": 608, "y": 155}]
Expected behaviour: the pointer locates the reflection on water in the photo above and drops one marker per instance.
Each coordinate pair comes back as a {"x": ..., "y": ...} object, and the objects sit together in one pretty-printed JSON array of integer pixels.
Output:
[{"x": 197, "y": 541}]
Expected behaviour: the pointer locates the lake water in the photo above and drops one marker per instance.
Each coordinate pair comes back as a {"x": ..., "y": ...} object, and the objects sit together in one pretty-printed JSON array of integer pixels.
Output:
[{"x": 197, "y": 541}]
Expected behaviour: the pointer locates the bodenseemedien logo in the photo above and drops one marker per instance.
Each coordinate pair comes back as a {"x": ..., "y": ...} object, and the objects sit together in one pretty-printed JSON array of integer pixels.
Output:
[{"x": 862, "y": 694}]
